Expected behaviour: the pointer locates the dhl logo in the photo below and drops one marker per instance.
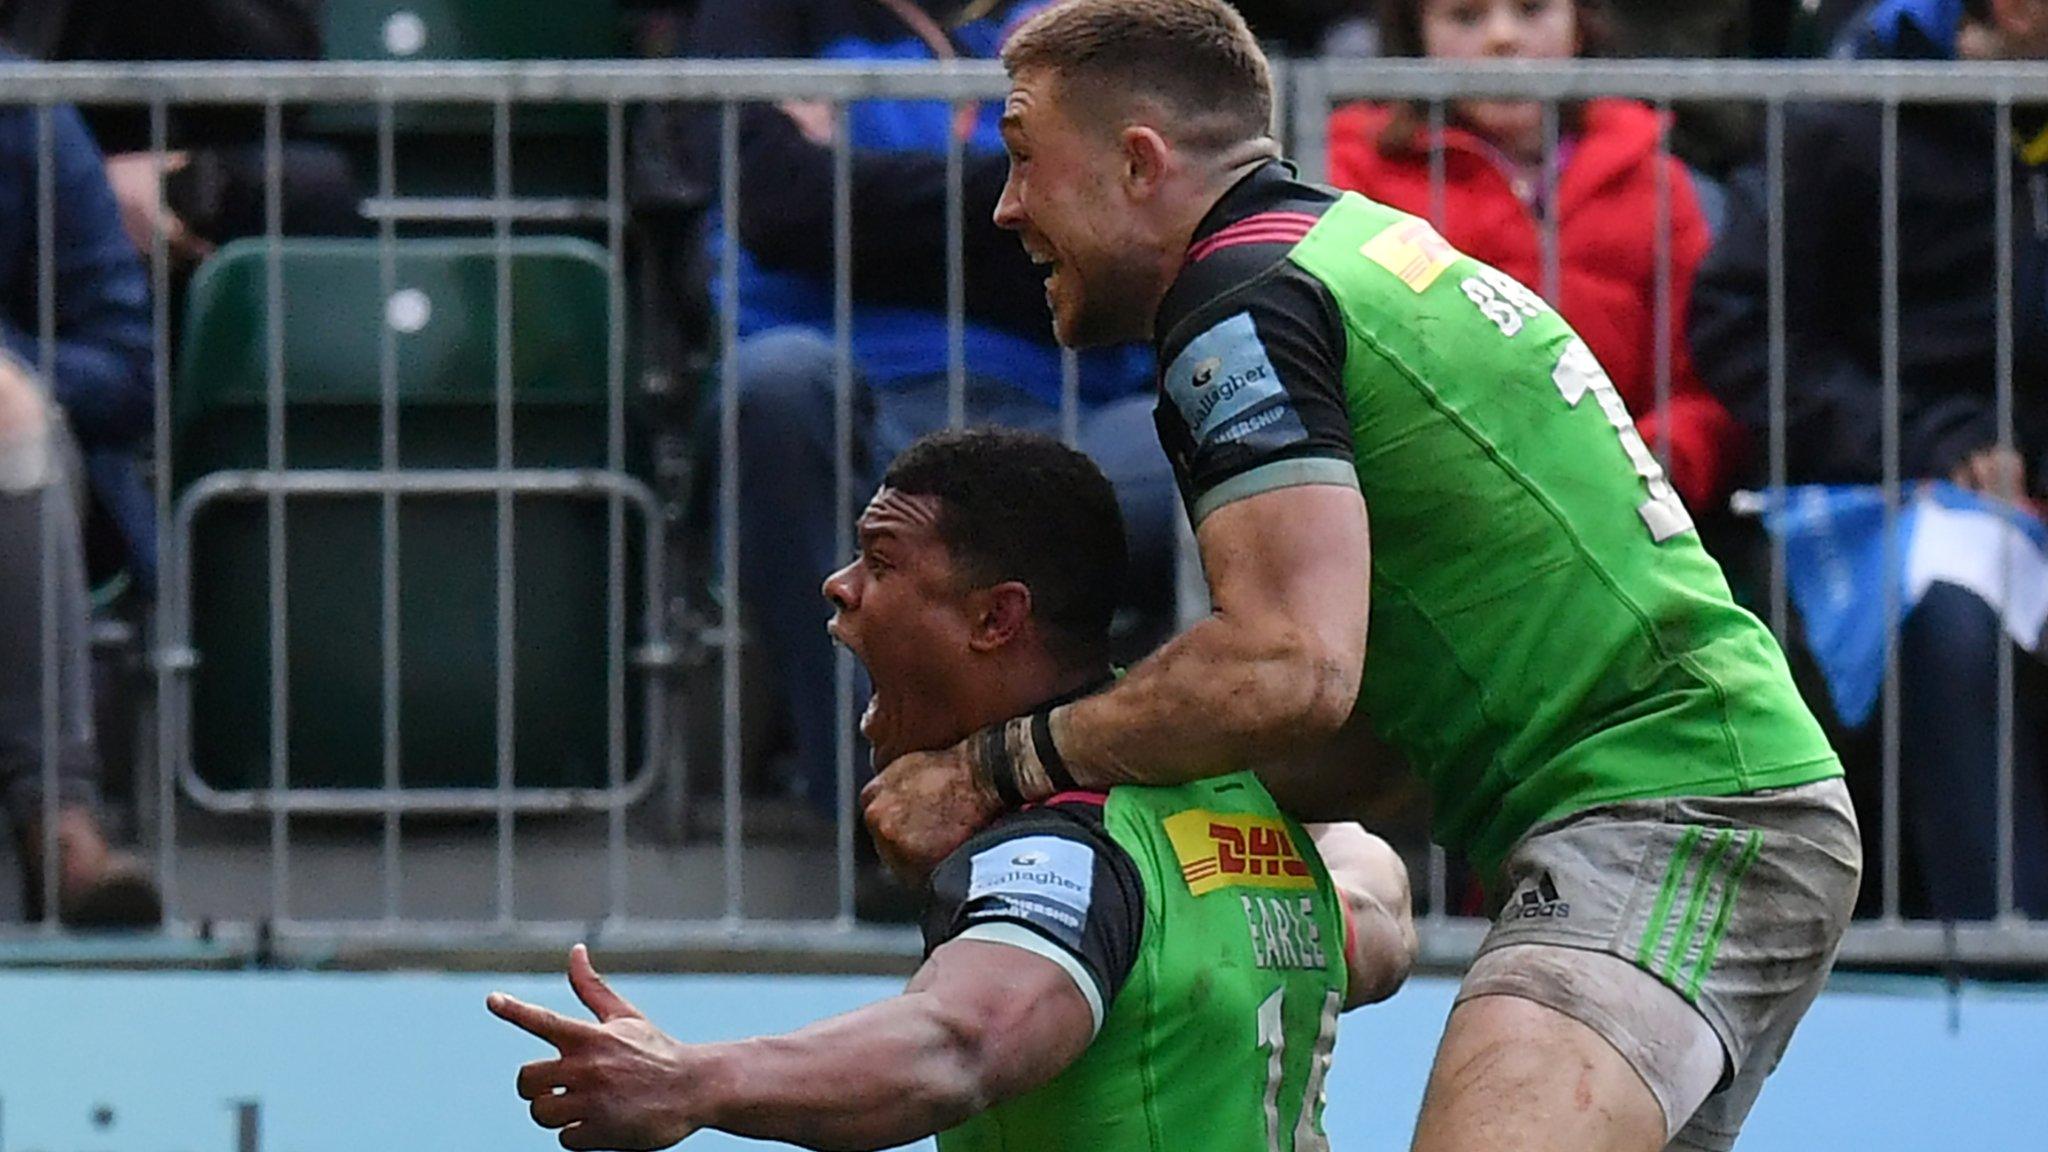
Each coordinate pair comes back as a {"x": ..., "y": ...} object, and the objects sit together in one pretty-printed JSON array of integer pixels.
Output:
[{"x": 1219, "y": 850}]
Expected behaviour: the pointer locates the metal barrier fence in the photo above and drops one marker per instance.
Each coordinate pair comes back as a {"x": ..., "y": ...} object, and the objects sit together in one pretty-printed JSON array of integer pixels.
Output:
[{"x": 184, "y": 812}]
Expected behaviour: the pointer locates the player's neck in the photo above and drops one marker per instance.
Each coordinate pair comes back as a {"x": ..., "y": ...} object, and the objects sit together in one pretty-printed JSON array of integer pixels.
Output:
[
  {"x": 1223, "y": 172},
  {"x": 1207, "y": 189},
  {"x": 1019, "y": 687}
]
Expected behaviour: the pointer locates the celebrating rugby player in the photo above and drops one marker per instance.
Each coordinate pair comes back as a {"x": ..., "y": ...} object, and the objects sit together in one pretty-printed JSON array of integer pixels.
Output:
[
  {"x": 1612, "y": 741},
  {"x": 1146, "y": 970}
]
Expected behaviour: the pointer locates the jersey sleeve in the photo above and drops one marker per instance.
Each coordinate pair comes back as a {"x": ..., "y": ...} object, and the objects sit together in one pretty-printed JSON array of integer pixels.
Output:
[
  {"x": 1252, "y": 395},
  {"x": 1049, "y": 881}
]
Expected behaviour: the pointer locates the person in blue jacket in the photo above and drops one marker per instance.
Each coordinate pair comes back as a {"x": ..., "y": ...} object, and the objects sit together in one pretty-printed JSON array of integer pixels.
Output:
[
  {"x": 900, "y": 341},
  {"x": 1948, "y": 172},
  {"x": 75, "y": 411}
]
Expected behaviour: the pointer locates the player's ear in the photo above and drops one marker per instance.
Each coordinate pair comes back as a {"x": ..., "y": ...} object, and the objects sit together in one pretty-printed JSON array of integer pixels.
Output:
[
  {"x": 1000, "y": 613},
  {"x": 1146, "y": 156}
]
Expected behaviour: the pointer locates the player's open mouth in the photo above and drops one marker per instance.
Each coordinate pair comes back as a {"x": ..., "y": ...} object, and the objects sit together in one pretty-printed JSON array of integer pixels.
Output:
[
  {"x": 874, "y": 719},
  {"x": 1051, "y": 268}
]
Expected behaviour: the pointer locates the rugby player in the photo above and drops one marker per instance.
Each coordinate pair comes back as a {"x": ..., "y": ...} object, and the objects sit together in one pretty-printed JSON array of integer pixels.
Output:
[
  {"x": 1610, "y": 739},
  {"x": 1155, "y": 968}
]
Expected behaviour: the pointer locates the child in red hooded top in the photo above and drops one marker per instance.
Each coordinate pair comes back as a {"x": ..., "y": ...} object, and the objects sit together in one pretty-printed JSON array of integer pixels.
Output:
[{"x": 1491, "y": 204}]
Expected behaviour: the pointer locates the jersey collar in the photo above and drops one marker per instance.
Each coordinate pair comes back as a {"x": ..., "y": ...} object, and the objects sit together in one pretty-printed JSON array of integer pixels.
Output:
[
  {"x": 1259, "y": 190},
  {"x": 1109, "y": 676}
]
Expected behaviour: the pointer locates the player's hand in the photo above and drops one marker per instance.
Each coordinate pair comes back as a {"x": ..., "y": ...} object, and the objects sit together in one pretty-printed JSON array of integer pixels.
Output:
[
  {"x": 617, "y": 1083},
  {"x": 924, "y": 805}
]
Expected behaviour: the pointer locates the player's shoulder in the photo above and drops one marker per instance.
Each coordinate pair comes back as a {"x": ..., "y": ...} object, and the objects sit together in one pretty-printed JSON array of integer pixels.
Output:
[
  {"x": 1238, "y": 258},
  {"x": 1061, "y": 851},
  {"x": 1076, "y": 820}
]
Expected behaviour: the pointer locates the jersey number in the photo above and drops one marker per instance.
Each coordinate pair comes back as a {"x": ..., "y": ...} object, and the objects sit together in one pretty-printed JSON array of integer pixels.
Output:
[
  {"x": 1273, "y": 1038},
  {"x": 1579, "y": 373}
]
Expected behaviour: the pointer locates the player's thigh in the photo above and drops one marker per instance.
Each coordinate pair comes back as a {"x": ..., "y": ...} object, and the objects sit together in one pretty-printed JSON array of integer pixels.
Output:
[
  {"x": 1659, "y": 923},
  {"x": 1513, "y": 1075}
]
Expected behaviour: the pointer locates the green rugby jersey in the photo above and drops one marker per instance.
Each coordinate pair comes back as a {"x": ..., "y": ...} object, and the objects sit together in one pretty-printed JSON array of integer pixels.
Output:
[
  {"x": 1547, "y": 633},
  {"x": 1201, "y": 927}
]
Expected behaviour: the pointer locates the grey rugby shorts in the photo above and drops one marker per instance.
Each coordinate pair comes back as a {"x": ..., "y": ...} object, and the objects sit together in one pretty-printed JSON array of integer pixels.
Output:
[{"x": 1736, "y": 904}]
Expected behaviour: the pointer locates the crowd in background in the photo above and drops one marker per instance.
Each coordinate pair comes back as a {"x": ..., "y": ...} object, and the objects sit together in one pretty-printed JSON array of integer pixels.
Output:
[{"x": 1661, "y": 262}]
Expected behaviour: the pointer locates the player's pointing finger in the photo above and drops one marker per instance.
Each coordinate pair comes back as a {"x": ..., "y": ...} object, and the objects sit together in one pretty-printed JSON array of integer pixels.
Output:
[
  {"x": 590, "y": 988},
  {"x": 549, "y": 1025}
]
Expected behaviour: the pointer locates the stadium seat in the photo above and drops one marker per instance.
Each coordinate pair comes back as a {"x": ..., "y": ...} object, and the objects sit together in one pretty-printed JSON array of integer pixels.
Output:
[
  {"x": 471, "y": 30},
  {"x": 445, "y": 149},
  {"x": 443, "y": 321}
]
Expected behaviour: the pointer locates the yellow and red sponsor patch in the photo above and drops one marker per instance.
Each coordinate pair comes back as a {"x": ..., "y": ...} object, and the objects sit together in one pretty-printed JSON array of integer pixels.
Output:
[
  {"x": 1413, "y": 252},
  {"x": 1226, "y": 850}
]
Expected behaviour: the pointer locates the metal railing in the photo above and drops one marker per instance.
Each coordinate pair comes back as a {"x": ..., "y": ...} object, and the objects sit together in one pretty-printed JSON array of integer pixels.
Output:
[{"x": 733, "y": 919}]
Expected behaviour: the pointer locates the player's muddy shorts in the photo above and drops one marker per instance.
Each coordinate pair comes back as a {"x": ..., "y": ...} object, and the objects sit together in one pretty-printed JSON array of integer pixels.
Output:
[{"x": 1735, "y": 905}]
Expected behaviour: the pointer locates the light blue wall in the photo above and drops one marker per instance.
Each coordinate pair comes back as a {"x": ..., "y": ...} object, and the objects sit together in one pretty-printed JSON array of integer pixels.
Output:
[{"x": 382, "y": 1063}]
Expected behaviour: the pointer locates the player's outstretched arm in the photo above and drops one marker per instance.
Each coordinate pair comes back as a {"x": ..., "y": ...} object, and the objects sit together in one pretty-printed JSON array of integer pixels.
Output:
[
  {"x": 979, "y": 1023},
  {"x": 1379, "y": 914},
  {"x": 1271, "y": 671}
]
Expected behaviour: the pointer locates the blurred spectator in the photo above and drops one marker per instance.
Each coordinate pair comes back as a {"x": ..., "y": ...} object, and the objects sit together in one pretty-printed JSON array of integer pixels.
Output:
[
  {"x": 1713, "y": 136},
  {"x": 1827, "y": 21},
  {"x": 100, "y": 382},
  {"x": 1310, "y": 27},
  {"x": 1682, "y": 31},
  {"x": 1609, "y": 164},
  {"x": 212, "y": 190},
  {"x": 785, "y": 357},
  {"x": 1948, "y": 171}
]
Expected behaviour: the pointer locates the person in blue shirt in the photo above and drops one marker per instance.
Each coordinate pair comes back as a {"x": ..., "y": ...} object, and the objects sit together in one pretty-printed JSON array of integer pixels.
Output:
[
  {"x": 785, "y": 356},
  {"x": 73, "y": 416}
]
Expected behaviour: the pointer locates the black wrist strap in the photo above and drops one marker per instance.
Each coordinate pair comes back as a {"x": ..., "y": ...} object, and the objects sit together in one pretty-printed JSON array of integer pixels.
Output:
[
  {"x": 1001, "y": 770},
  {"x": 1049, "y": 755}
]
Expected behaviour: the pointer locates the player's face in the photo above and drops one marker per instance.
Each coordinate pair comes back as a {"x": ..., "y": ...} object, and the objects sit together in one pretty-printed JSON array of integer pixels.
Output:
[
  {"x": 1064, "y": 199},
  {"x": 904, "y": 611},
  {"x": 1501, "y": 30}
]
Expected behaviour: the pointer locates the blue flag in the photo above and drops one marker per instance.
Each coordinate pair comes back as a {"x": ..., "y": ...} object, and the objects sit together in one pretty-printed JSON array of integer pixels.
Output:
[{"x": 1838, "y": 568}]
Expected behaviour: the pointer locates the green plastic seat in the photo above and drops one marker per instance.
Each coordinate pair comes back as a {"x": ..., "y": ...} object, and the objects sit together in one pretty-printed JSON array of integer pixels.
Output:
[
  {"x": 471, "y": 29},
  {"x": 445, "y": 149},
  {"x": 443, "y": 321}
]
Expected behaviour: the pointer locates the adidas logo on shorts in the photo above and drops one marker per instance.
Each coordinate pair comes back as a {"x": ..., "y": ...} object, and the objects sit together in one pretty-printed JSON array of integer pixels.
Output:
[{"x": 1540, "y": 902}]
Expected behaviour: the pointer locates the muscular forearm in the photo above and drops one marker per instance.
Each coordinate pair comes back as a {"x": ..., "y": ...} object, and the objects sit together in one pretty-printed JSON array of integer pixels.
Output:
[
  {"x": 1222, "y": 695},
  {"x": 1272, "y": 671},
  {"x": 885, "y": 1075}
]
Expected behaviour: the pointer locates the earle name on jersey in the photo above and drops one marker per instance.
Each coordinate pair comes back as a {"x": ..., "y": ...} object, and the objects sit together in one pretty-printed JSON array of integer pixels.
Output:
[{"x": 1284, "y": 931}]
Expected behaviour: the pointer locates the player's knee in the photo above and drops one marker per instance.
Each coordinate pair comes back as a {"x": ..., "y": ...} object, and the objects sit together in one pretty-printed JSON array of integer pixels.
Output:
[{"x": 25, "y": 448}]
